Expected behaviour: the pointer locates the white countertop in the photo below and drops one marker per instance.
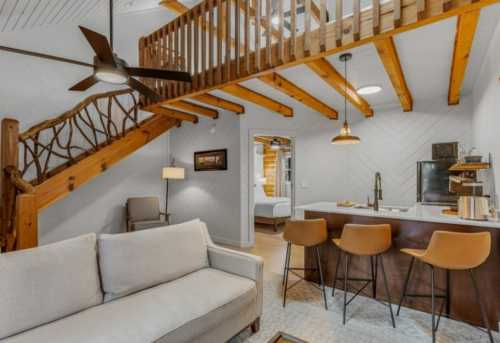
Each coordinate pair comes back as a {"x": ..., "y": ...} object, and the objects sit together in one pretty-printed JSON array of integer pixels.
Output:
[{"x": 418, "y": 212}]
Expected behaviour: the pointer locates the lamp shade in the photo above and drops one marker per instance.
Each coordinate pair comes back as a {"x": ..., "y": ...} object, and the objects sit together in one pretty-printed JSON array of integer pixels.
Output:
[{"x": 173, "y": 173}]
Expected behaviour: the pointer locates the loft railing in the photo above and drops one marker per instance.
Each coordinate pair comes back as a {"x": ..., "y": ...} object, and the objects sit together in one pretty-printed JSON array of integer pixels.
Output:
[{"x": 218, "y": 41}]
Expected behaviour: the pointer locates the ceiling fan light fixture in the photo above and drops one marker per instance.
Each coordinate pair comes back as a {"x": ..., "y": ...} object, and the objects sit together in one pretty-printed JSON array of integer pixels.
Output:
[{"x": 111, "y": 75}]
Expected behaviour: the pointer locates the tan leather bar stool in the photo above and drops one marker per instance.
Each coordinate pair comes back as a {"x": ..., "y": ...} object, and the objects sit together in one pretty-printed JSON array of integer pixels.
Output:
[
  {"x": 452, "y": 251},
  {"x": 308, "y": 234},
  {"x": 363, "y": 240}
]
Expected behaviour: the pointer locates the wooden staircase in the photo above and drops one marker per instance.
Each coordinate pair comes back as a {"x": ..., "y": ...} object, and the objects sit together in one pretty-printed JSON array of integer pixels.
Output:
[{"x": 48, "y": 161}]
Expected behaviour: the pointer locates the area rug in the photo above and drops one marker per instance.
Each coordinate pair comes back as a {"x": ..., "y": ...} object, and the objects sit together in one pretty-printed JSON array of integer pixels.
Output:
[{"x": 367, "y": 320}]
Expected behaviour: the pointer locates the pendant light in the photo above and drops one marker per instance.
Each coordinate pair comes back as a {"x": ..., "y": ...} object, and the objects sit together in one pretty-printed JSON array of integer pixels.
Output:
[{"x": 345, "y": 136}]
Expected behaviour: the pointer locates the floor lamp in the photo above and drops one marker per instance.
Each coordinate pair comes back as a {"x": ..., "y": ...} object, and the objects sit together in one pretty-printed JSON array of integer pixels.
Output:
[{"x": 171, "y": 173}]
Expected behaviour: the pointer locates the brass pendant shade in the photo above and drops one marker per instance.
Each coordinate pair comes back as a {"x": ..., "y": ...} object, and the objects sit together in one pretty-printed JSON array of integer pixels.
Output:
[{"x": 345, "y": 137}]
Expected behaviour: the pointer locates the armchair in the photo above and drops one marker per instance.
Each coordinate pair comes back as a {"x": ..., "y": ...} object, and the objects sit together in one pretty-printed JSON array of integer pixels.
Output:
[{"x": 144, "y": 213}]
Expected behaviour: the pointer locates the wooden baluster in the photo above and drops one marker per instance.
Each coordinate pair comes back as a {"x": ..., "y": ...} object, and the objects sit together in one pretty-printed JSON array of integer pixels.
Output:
[
  {"x": 164, "y": 60},
  {"x": 421, "y": 9},
  {"x": 189, "y": 18},
  {"x": 170, "y": 57},
  {"x": 293, "y": 28},
  {"x": 307, "y": 28},
  {"x": 397, "y": 13},
  {"x": 356, "y": 19},
  {"x": 142, "y": 59},
  {"x": 376, "y": 16},
  {"x": 196, "y": 47},
  {"x": 246, "y": 56},
  {"x": 211, "y": 42},
  {"x": 220, "y": 23},
  {"x": 338, "y": 22},
  {"x": 269, "y": 27},
  {"x": 9, "y": 156},
  {"x": 258, "y": 11},
  {"x": 157, "y": 58},
  {"x": 237, "y": 36},
  {"x": 281, "y": 33},
  {"x": 227, "y": 68},
  {"x": 322, "y": 25},
  {"x": 176, "y": 47},
  {"x": 203, "y": 43},
  {"x": 183, "y": 50}
]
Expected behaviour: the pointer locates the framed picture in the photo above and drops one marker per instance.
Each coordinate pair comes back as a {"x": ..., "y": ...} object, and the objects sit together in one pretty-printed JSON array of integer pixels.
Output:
[{"x": 210, "y": 160}]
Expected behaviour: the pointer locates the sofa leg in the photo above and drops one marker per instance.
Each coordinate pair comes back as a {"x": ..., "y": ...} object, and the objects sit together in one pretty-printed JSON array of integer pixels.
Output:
[{"x": 255, "y": 326}]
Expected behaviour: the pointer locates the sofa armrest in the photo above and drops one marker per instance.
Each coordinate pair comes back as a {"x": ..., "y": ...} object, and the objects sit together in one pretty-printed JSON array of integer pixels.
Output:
[{"x": 241, "y": 264}]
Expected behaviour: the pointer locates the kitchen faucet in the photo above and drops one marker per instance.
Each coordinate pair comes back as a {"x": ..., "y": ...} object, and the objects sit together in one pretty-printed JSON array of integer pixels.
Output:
[{"x": 378, "y": 190}]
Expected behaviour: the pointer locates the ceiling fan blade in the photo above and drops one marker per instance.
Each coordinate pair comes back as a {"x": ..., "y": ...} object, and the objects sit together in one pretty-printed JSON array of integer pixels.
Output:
[
  {"x": 100, "y": 45},
  {"x": 45, "y": 56},
  {"x": 159, "y": 74},
  {"x": 143, "y": 89},
  {"x": 85, "y": 84}
]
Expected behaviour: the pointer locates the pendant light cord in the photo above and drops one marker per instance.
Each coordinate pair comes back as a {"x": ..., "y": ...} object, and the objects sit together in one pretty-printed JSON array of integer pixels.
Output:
[
  {"x": 111, "y": 24},
  {"x": 345, "y": 91}
]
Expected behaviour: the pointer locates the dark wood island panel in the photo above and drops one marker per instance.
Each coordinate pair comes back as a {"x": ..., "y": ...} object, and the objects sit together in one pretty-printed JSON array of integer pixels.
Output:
[{"x": 415, "y": 234}]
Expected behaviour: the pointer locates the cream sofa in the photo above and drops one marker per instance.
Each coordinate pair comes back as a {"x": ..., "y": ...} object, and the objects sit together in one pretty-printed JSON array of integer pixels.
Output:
[{"x": 168, "y": 284}]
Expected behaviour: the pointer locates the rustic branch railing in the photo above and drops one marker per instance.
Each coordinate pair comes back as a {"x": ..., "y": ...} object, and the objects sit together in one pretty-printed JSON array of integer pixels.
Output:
[{"x": 57, "y": 143}]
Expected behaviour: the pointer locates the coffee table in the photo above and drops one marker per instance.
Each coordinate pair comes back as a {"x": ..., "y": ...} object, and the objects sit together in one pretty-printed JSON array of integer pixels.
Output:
[{"x": 282, "y": 337}]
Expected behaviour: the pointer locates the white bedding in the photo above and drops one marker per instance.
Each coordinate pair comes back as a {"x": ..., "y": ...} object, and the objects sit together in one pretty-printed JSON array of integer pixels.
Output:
[{"x": 271, "y": 207}]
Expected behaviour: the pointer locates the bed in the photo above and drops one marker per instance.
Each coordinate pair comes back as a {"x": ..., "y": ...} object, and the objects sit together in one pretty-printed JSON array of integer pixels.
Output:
[{"x": 271, "y": 210}]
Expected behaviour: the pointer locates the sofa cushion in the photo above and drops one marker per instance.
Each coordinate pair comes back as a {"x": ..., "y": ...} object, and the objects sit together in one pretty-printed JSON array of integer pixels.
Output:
[
  {"x": 41, "y": 285},
  {"x": 133, "y": 261},
  {"x": 149, "y": 315}
]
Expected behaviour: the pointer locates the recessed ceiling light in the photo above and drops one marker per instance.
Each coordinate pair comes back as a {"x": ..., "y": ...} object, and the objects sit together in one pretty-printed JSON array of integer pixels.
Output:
[{"x": 367, "y": 90}]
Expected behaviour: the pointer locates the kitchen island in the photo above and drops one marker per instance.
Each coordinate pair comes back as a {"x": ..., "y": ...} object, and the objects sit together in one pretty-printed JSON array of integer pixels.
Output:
[{"x": 412, "y": 228}]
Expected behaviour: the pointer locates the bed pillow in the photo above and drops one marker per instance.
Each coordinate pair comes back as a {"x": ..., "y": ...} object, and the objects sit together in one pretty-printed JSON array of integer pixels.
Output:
[{"x": 259, "y": 192}]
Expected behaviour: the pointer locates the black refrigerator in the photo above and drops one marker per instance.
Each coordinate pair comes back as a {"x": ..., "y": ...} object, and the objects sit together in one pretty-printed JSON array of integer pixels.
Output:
[{"x": 433, "y": 179}]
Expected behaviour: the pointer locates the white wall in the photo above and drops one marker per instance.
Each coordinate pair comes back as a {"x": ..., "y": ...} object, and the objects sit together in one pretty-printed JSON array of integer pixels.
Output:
[
  {"x": 32, "y": 90},
  {"x": 486, "y": 119},
  {"x": 212, "y": 196}
]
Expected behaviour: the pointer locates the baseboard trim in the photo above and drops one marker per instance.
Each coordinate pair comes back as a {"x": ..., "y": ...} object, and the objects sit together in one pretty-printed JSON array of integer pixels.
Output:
[{"x": 226, "y": 241}]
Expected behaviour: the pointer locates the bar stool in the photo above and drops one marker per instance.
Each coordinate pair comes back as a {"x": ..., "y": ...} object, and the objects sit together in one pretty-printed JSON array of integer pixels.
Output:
[
  {"x": 452, "y": 251},
  {"x": 363, "y": 240},
  {"x": 308, "y": 234}
]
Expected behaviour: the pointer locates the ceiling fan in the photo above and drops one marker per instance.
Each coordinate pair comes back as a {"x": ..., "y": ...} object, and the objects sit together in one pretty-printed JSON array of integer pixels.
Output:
[{"x": 108, "y": 67}]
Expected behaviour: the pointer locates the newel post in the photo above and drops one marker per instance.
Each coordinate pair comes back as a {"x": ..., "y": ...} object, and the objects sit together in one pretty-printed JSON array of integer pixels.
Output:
[
  {"x": 9, "y": 153},
  {"x": 26, "y": 221}
]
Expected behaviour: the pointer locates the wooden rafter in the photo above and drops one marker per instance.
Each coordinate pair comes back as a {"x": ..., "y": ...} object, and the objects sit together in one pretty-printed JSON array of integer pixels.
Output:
[
  {"x": 466, "y": 29},
  {"x": 282, "y": 84},
  {"x": 174, "y": 114},
  {"x": 215, "y": 101},
  {"x": 390, "y": 58},
  {"x": 258, "y": 99},
  {"x": 195, "y": 108},
  {"x": 64, "y": 182},
  {"x": 332, "y": 77}
]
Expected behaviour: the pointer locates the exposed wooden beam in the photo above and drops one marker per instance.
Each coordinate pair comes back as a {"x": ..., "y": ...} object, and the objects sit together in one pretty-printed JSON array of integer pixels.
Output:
[
  {"x": 390, "y": 58},
  {"x": 215, "y": 101},
  {"x": 330, "y": 75},
  {"x": 258, "y": 99},
  {"x": 409, "y": 21},
  {"x": 175, "y": 114},
  {"x": 63, "y": 183},
  {"x": 280, "y": 83},
  {"x": 464, "y": 36},
  {"x": 197, "y": 109}
]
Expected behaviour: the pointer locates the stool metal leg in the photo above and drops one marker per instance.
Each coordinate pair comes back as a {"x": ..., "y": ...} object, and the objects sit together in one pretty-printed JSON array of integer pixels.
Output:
[
  {"x": 318, "y": 260},
  {"x": 433, "y": 306},
  {"x": 286, "y": 262},
  {"x": 405, "y": 287},
  {"x": 339, "y": 257},
  {"x": 346, "y": 276},
  {"x": 374, "y": 277},
  {"x": 481, "y": 305},
  {"x": 386, "y": 285},
  {"x": 287, "y": 268},
  {"x": 448, "y": 290}
]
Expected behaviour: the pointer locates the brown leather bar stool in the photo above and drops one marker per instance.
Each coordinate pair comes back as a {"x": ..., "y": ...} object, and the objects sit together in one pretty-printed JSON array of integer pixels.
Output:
[
  {"x": 363, "y": 240},
  {"x": 452, "y": 251},
  {"x": 308, "y": 234}
]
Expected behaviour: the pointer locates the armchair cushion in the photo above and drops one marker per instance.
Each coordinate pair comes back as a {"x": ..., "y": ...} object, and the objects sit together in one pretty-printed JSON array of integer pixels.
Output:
[
  {"x": 146, "y": 224},
  {"x": 134, "y": 261}
]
